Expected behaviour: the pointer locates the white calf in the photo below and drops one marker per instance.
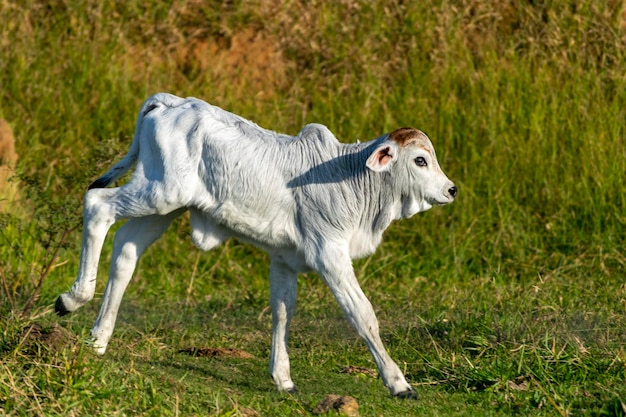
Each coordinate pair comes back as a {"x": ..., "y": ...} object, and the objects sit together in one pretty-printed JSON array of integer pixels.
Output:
[{"x": 311, "y": 202}]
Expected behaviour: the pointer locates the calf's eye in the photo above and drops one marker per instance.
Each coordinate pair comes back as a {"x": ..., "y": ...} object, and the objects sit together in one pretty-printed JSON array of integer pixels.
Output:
[{"x": 420, "y": 161}]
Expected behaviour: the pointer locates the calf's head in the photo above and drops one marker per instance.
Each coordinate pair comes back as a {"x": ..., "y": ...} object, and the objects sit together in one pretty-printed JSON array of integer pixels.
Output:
[{"x": 409, "y": 157}]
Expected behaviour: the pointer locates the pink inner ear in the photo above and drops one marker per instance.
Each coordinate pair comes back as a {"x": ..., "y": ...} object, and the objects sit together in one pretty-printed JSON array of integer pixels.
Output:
[
  {"x": 381, "y": 159},
  {"x": 384, "y": 156}
]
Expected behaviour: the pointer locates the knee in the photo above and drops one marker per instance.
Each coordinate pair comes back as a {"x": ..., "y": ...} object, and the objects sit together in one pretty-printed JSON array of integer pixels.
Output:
[
  {"x": 92, "y": 201},
  {"x": 96, "y": 208}
]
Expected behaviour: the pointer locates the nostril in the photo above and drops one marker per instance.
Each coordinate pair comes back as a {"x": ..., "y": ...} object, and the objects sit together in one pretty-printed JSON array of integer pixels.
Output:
[{"x": 452, "y": 190}]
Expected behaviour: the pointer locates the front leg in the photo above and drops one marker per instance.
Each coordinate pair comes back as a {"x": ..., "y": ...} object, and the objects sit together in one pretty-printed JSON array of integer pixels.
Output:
[
  {"x": 283, "y": 294},
  {"x": 332, "y": 261}
]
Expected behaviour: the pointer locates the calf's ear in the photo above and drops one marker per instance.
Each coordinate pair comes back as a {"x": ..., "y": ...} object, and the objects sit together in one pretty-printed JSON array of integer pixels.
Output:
[{"x": 383, "y": 156}]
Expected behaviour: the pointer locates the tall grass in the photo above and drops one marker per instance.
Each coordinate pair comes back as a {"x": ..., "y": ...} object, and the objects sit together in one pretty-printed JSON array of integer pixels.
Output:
[{"x": 514, "y": 296}]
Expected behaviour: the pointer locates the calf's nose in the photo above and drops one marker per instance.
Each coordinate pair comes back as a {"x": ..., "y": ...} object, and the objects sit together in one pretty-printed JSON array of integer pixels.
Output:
[{"x": 452, "y": 190}]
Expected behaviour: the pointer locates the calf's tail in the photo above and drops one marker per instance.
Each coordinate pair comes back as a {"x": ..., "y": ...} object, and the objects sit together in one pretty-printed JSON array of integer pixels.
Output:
[{"x": 120, "y": 168}]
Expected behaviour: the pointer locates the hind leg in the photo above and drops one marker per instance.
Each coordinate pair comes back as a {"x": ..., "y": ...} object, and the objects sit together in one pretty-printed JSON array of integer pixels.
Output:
[
  {"x": 102, "y": 208},
  {"x": 98, "y": 216},
  {"x": 130, "y": 242}
]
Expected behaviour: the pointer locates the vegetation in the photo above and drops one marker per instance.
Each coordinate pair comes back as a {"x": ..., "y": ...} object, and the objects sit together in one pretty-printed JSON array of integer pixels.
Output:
[{"x": 511, "y": 301}]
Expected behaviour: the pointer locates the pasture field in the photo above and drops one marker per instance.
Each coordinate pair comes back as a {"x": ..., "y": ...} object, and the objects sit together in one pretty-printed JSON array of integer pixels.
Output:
[{"x": 510, "y": 301}]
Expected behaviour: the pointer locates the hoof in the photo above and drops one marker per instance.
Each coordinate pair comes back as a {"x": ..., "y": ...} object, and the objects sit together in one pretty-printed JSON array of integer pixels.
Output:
[
  {"x": 59, "y": 307},
  {"x": 406, "y": 395}
]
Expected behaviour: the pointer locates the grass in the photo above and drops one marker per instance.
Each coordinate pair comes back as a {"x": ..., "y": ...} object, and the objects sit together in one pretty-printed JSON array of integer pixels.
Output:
[{"x": 510, "y": 301}]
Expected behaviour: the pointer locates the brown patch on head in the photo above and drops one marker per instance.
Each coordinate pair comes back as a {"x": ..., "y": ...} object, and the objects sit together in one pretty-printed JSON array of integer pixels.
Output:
[{"x": 406, "y": 136}]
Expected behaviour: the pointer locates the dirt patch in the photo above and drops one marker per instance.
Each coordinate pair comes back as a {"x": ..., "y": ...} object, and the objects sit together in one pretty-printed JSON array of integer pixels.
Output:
[
  {"x": 360, "y": 370},
  {"x": 8, "y": 159},
  {"x": 251, "y": 59},
  {"x": 54, "y": 338},
  {"x": 217, "y": 352},
  {"x": 343, "y": 404},
  {"x": 245, "y": 62}
]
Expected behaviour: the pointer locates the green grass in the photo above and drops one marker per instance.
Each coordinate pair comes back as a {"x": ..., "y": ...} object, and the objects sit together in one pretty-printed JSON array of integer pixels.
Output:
[{"x": 511, "y": 301}]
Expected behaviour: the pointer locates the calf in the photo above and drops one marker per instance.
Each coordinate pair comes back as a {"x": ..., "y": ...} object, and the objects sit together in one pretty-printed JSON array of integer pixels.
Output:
[{"x": 311, "y": 202}]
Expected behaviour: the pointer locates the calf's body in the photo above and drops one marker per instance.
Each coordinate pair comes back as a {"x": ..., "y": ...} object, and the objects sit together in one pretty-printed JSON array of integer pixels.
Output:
[{"x": 311, "y": 202}]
